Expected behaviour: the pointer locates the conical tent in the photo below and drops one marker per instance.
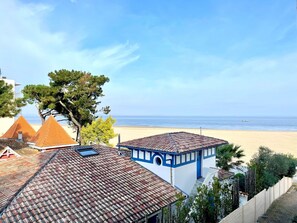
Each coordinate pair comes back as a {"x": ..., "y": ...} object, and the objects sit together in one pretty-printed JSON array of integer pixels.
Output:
[
  {"x": 51, "y": 135},
  {"x": 20, "y": 129}
]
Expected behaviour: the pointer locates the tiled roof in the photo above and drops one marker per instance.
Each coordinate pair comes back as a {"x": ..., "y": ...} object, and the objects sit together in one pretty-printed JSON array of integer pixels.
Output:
[
  {"x": 102, "y": 188},
  {"x": 14, "y": 174},
  {"x": 20, "y": 125},
  {"x": 52, "y": 135},
  {"x": 175, "y": 142}
]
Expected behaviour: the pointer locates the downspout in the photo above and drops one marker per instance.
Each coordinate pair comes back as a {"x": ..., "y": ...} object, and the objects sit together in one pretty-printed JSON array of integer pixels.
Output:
[{"x": 171, "y": 175}]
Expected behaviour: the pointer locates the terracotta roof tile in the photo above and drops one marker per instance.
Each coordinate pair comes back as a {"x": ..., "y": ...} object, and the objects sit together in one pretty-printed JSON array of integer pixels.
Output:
[
  {"x": 106, "y": 187},
  {"x": 52, "y": 135},
  {"x": 175, "y": 142},
  {"x": 20, "y": 125},
  {"x": 14, "y": 174}
]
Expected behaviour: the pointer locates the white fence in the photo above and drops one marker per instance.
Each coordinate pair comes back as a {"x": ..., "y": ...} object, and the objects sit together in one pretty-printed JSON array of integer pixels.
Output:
[{"x": 259, "y": 204}]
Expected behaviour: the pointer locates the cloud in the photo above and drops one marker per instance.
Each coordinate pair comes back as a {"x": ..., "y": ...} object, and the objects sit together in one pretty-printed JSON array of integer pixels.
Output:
[
  {"x": 30, "y": 50},
  {"x": 255, "y": 86}
]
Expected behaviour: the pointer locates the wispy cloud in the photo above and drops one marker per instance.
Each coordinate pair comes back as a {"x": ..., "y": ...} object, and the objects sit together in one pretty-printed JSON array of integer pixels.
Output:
[{"x": 30, "y": 48}]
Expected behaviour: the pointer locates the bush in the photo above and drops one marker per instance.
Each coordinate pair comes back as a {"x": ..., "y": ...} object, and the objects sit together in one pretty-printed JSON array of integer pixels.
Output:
[{"x": 270, "y": 167}]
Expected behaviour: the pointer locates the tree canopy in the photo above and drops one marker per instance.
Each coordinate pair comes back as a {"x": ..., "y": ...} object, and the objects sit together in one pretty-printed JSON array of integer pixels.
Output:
[
  {"x": 73, "y": 94},
  {"x": 99, "y": 131},
  {"x": 9, "y": 106},
  {"x": 270, "y": 167},
  {"x": 229, "y": 156}
]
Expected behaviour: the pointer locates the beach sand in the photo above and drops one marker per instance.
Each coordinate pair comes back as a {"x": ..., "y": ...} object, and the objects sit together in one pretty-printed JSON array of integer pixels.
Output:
[{"x": 278, "y": 141}]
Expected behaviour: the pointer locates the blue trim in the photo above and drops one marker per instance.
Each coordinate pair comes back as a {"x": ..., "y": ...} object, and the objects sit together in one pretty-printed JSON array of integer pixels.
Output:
[
  {"x": 208, "y": 156},
  {"x": 205, "y": 157},
  {"x": 182, "y": 164},
  {"x": 172, "y": 153},
  {"x": 172, "y": 164},
  {"x": 158, "y": 154},
  {"x": 199, "y": 160}
]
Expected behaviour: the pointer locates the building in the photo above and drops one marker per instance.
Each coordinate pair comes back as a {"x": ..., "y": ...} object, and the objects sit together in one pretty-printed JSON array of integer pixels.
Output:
[
  {"x": 180, "y": 158},
  {"x": 20, "y": 130},
  {"x": 90, "y": 184},
  {"x": 6, "y": 122},
  {"x": 51, "y": 135}
]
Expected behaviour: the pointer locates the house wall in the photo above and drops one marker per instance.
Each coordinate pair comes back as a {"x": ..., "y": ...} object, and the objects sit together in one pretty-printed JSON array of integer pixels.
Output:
[
  {"x": 6, "y": 123},
  {"x": 148, "y": 160},
  {"x": 185, "y": 177},
  {"x": 209, "y": 160},
  {"x": 180, "y": 170}
]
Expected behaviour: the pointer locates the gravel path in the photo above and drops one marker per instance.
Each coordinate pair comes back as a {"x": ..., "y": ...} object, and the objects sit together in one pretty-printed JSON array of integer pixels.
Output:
[{"x": 283, "y": 209}]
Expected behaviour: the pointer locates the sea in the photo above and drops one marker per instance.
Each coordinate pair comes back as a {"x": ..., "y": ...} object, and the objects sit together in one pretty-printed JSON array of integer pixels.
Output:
[{"x": 204, "y": 122}]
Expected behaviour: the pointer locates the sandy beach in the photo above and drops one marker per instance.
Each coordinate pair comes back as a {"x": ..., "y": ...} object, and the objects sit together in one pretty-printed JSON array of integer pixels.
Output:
[{"x": 278, "y": 141}]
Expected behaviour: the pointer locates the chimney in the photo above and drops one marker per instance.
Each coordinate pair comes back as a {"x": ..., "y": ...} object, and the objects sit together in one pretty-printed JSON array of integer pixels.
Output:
[{"x": 20, "y": 136}]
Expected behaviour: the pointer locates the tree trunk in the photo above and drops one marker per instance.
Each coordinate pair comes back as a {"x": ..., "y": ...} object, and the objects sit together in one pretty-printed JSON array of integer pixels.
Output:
[
  {"x": 41, "y": 116},
  {"x": 75, "y": 123},
  {"x": 78, "y": 135}
]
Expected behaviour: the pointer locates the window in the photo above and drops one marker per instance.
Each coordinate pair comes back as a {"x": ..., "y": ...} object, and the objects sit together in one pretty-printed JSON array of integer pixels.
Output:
[
  {"x": 188, "y": 157},
  {"x": 87, "y": 151},
  {"x": 205, "y": 152},
  {"x": 177, "y": 159},
  {"x": 183, "y": 158},
  {"x": 158, "y": 161}
]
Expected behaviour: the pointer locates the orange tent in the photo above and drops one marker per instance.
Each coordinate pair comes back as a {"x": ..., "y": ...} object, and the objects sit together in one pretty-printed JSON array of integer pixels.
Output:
[
  {"x": 20, "y": 126},
  {"x": 51, "y": 135}
]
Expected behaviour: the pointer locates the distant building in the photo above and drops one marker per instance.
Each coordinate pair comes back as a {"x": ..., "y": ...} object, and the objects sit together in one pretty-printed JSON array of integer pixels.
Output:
[
  {"x": 180, "y": 158},
  {"x": 5, "y": 123},
  {"x": 51, "y": 135},
  {"x": 90, "y": 184}
]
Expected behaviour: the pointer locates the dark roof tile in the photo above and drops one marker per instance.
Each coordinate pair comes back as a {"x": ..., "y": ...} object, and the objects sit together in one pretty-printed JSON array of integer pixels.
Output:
[
  {"x": 106, "y": 187},
  {"x": 176, "y": 142}
]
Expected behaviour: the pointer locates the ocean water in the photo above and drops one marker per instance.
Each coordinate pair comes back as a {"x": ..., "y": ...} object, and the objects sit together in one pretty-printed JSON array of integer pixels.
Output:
[
  {"x": 211, "y": 122},
  {"x": 205, "y": 122}
]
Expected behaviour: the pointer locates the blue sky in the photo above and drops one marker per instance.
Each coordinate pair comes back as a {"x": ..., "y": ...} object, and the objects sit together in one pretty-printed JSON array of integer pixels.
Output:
[{"x": 173, "y": 57}]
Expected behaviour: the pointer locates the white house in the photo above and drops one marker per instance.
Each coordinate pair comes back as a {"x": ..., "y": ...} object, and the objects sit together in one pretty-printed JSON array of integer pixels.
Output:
[
  {"x": 5, "y": 123},
  {"x": 180, "y": 158}
]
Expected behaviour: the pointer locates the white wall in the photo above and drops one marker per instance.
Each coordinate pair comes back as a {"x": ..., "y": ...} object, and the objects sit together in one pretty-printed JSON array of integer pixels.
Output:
[
  {"x": 207, "y": 163},
  {"x": 185, "y": 177},
  {"x": 5, "y": 123},
  {"x": 161, "y": 171}
]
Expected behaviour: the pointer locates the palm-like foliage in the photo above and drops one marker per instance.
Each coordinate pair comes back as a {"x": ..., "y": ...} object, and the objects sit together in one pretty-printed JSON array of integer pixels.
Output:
[{"x": 228, "y": 156}]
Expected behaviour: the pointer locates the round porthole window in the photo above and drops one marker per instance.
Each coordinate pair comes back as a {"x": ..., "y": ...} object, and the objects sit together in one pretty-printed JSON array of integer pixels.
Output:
[{"x": 158, "y": 161}]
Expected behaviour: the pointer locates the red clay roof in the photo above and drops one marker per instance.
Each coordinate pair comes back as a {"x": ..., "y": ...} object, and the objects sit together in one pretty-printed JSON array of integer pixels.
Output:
[
  {"x": 52, "y": 135},
  {"x": 15, "y": 173},
  {"x": 175, "y": 142},
  {"x": 102, "y": 188},
  {"x": 20, "y": 125}
]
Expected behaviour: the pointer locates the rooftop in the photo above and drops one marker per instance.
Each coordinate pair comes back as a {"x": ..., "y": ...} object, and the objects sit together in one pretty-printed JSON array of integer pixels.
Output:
[
  {"x": 20, "y": 125},
  {"x": 15, "y": 172},
  {"x": 51, "y": 135},
  {"x": 101, "y": 188},
  {"x": 175, "y": 142}
]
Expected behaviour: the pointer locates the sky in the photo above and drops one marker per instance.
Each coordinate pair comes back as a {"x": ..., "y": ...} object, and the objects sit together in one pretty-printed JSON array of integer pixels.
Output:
[{"x": 202, "y": 58}]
